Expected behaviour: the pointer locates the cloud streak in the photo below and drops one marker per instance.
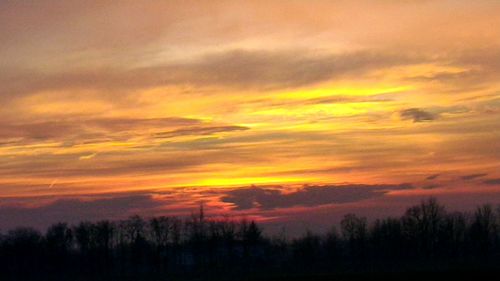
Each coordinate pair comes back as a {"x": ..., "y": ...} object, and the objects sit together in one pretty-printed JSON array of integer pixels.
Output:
[
  {"x": 473, "y": 176},
  {"x": 492, "y": 181},
  {"x": 235, "y": 69}
]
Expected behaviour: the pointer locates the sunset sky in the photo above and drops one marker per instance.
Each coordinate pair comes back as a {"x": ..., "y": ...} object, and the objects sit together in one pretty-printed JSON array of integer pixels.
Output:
[{"x": 289, "y": 112}]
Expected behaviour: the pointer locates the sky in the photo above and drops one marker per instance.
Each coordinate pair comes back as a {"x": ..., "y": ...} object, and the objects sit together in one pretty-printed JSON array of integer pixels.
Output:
[{"x": 291, "y": 113}]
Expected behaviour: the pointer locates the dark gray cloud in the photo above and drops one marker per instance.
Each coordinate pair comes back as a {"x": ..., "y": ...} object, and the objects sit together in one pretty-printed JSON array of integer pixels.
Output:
[
  {"x": 247, "y": 69},
  {"x": 432, "y": 177},
  {"x": 273, "y": 69},
  {"x": 88, "y": 127},
  {"x": 75, "y": 210},
  {"x": 310, "y": 196},
  {"x": 85, "y": 131},
  {"x": 495, "y": 181},
  {"x": 417, "y": 115},
  {"x": 473, "y": 176},
  {"x": 235, "y": 69},
  {"x": 431, "y": 186}
]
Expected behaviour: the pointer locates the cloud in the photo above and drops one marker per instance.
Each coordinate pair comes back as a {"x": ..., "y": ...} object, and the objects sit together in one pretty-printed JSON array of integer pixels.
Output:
[
  {"x": 333, "y": 99},
  {"x": 241, "y": 69},
  {"x": 103, "y": 130},
  {"x": 495, "y": 181},
  {"x": 106, "y": 165},
  {"x": 286, "y": 68},
  {"x": 473, "y": 176},
  {"x": 310, "y": 196},
  {"x": 87, "y": 156},
  {"x": 93, "y": 127},
  {"x": 200, "y": 131},
  {"x": 431, "y": 186},
  {"x": 417, "y": 115},
  {"x": 432, "y": 177},
  {"x": 73, "y": 210}
]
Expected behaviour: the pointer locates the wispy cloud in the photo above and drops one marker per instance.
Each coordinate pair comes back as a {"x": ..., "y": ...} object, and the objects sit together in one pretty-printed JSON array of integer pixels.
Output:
[
  {"x": 87, "y": 156},
  {"x": 473, "y": 176},
  {"x": 432, "y": 177},
  {"x": 492, "y": 181}
]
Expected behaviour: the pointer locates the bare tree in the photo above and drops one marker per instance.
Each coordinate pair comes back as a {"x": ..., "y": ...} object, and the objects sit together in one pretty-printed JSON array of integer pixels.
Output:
[
  {"x": 483, "y": 230},
  {"x": 355, "y": 231},
  {"x": 160, "y": 230},
  {"x": 421, "y": 226}
]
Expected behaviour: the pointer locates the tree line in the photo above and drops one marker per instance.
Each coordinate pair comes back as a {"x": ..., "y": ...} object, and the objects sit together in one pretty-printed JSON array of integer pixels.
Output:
[{"x": 425, "y": 237}]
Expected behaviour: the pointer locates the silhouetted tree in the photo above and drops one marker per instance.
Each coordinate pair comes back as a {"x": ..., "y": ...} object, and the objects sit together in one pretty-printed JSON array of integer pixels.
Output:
[
  {"x": 82, "y": 233},
  {"x": 355, "y": 231},
  {"x": 160, "y": 232},
  {"x": 22, "y": 252},
  {"x": 332, "y": 245},
  {"x": 421, "y": 226},
  {"x": 483, "y": 231},
  {"x": 59, "y": 241},
  {"x": 387, "y": 239},
  {"x": 307, "y": 249},
  {"x": 453, "y": 236},
  {"x": 133, "y": 229}
]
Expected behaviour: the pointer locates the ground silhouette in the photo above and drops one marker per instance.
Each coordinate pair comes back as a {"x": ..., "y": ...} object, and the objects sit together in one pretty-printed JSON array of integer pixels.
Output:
[{"x": 426, "y": 242}]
